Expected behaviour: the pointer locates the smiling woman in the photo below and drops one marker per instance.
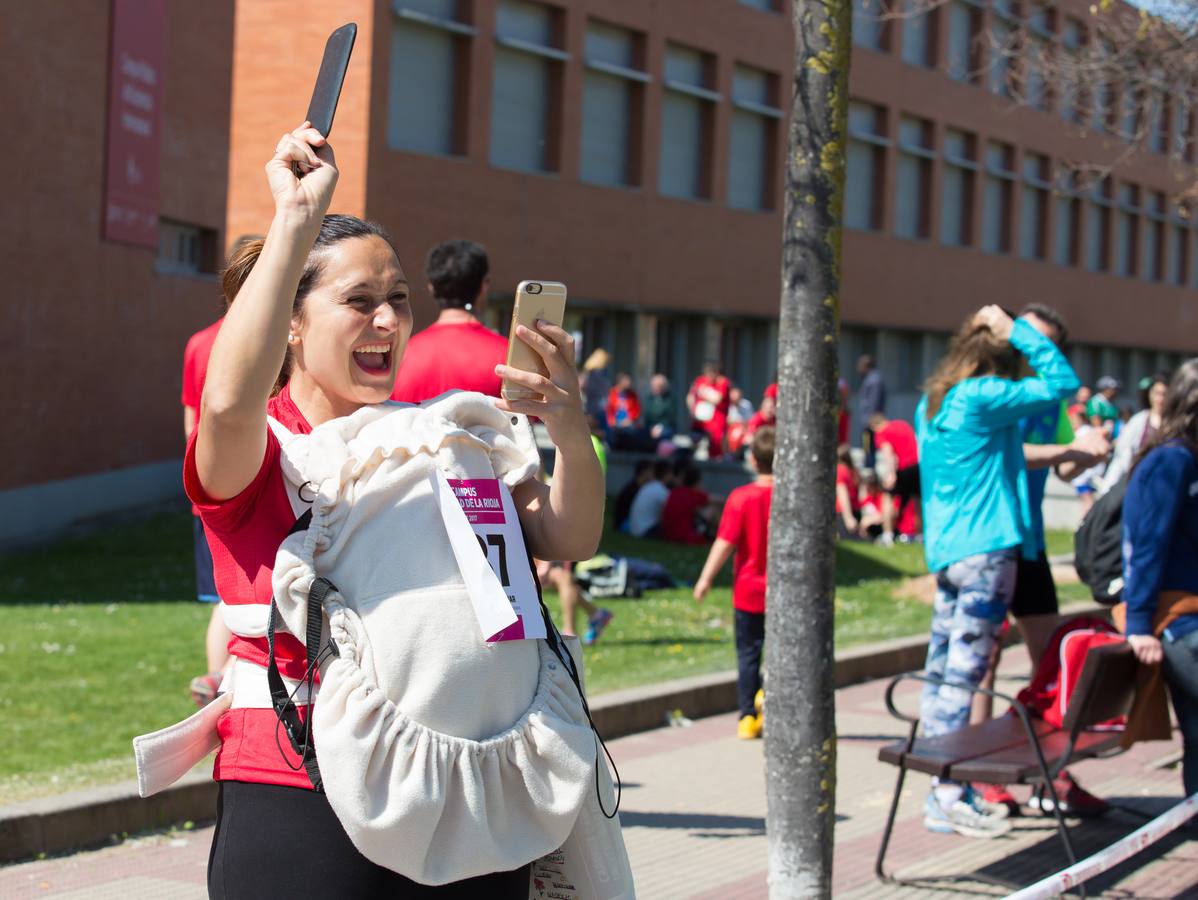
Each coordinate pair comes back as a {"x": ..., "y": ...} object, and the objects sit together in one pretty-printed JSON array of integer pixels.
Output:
[{"x": 304, "y": 471}]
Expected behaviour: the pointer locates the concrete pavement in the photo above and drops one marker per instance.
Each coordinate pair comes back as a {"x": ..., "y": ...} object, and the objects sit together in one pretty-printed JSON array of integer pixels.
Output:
[{"x": 693, "y": 813}]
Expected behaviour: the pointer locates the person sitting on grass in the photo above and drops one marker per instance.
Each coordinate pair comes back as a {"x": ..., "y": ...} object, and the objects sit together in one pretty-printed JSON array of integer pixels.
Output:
[
  {"x": 560, "y": 577},
  {"x": 623, "y": 505},
  {"x": 686, "y": 517},
  {"x": 744, "y": 531},
  {"x": 848, "y": 493},
  {"x": 644, "y": 518}
]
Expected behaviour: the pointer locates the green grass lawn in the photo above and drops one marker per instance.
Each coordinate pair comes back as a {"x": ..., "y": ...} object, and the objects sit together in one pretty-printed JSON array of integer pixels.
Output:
[{"x": 99, "y": 636}]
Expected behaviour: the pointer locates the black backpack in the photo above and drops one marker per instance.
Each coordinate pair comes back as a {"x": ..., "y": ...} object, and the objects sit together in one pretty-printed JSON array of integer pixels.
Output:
[{"x": 1098, "y": 546}]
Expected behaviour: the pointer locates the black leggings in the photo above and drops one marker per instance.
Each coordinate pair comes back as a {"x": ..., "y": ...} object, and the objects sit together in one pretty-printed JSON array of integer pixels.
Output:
[{"x": 286, "y": 842}]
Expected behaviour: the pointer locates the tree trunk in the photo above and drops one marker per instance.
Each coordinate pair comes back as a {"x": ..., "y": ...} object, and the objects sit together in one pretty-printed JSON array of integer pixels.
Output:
[{"x": 800, "y": 744}]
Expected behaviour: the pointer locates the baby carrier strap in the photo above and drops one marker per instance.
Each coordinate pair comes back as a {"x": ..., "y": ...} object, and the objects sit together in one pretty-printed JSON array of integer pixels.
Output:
[{"x": 299, "y": 732}]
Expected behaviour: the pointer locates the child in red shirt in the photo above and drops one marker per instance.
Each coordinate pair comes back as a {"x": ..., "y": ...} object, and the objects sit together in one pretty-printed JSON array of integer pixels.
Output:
[{"x": 744, "y": 530}]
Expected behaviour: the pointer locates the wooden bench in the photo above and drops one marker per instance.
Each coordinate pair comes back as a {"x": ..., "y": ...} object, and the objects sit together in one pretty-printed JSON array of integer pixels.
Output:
[{"x": 1018, "y": 749}]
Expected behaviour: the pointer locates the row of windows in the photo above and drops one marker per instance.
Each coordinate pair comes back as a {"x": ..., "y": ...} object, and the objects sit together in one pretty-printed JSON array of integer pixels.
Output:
[
  {"x": 1028, "y": 206},
  {"x": 430, "y": 81},
  {"x": 1032, "y": 52}
]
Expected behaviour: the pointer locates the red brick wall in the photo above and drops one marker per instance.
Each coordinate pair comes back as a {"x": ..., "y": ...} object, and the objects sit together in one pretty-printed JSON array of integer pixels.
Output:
[{"x": 91, "y": 348}]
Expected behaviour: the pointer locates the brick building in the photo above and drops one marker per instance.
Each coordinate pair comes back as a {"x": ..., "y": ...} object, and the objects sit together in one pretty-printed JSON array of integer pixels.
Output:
[
  {"x": 630, "y": 148},
  {"x": 90, "y": 351}
]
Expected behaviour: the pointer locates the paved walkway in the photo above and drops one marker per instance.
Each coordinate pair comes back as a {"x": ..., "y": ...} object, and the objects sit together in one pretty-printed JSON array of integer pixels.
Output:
[{"x": 693, "y": 814}]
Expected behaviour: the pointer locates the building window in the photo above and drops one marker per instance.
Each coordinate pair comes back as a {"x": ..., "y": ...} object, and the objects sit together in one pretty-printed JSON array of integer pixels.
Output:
[
  {"x": 1033, "y": 206},
  {"x": 1129, "y": 113},
  {"x": 1127, "y": 230},
  {"x": 1100, "y": 89},
  {"x": 1178, "y": 256},
  {"x": 1067, "y": 221},
  {"x": 956, "y": 190},
  {"x": 1004, "y": 29},
  {"x": 919, "y": 34},
  {"x": 1180, "y": 122},
  {"x": 526, "y": 87},
  {"x": 1098, "y": 226},
  {"x": 1158, "y": 139},
  {"x": 1072, "y": 38},
  {"x": 913, "y": 184},
  {"x": 996, "y": 202},
  {"x": 612, "y": 100},
  {"x": 185, "y": 249},
  {"x": 869, "y": 26},
  {"x": 687, "y": 123},
  {"x": 1036, "y": 55},
  {"x": 430, "y": 51},
  {"x": 751, "y": 152},
  {"x": 865, "y": 167},
  {"x": 1153, "y": 268},
  {"x": 964, "y": 20}
]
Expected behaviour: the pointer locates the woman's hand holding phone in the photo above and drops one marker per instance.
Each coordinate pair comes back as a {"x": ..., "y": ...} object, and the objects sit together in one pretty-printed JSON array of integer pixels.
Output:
[
  {"x": 559, "y": 404},
  {"x": 302, "y": 175}
]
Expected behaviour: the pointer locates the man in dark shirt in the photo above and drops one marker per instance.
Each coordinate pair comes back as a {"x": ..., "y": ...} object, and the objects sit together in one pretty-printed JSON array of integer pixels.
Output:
[
  {"x": 658, "y": 412},
  {"x": 871, "y": 398}
]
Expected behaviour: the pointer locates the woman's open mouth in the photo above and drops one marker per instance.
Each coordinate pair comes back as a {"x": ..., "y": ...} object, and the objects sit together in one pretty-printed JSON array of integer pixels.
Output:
[{"x": 373, "y": 358}]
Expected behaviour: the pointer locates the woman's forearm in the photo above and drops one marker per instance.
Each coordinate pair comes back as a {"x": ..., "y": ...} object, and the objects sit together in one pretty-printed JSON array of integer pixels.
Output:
[
  {"x": 571, "y": 521},
  {"x": 252, "y": 343}
]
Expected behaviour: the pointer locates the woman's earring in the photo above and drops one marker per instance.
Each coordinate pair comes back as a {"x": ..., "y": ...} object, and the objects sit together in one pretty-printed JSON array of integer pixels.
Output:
[{"x": 292, "y": 339}]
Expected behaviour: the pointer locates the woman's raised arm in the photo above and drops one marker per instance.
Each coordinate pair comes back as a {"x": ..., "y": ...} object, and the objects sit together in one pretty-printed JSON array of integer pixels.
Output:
[{"x": 252, "y": 343}]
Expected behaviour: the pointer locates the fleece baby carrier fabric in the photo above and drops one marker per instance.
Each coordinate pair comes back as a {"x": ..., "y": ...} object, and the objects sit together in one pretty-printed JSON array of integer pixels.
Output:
[{"x": 444, "y": 756}]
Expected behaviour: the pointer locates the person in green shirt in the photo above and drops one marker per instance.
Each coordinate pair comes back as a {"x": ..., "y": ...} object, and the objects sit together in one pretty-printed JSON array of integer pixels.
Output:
[{"x": 1101, "y": 410}]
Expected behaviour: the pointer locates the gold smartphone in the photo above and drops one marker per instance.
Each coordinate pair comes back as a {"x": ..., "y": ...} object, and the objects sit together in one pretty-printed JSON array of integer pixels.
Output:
[{"x": 535, "y": 300}]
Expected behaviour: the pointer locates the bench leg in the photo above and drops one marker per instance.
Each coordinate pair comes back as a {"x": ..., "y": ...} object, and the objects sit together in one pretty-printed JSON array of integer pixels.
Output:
[
  {"x": 1062, "y": 829},
  {"x": 898, "y": 790}
]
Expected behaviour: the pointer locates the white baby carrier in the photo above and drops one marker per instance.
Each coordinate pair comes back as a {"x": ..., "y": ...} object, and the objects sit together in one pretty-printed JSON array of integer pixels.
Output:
[{"x": 443, "y": 754}]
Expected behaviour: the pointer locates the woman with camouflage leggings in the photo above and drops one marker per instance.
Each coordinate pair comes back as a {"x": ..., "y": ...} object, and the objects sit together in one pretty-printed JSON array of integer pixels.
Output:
[{"x": 976, "y": 520}]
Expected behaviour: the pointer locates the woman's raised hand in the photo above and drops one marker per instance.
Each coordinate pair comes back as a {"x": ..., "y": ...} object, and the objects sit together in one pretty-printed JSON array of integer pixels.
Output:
[
  {"x": 560, "y": 406},
  {"x": 302, "y": 174},
  {"x": 996, "y": 320}
]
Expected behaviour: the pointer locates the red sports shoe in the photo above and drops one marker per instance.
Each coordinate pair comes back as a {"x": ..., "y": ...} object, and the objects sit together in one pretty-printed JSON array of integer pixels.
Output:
[
  {"x": 997, "y": 795},
  {"x": 1075, "y": 800}
]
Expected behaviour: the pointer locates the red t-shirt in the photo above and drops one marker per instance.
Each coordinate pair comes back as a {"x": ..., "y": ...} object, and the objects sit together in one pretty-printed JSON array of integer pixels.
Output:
[
  {"x": 846, "y": 476},
  {"x": 623, "y": 408},
  {"x": 746, "y": 524},
  {"x": 678, "y": 515},
  {"x": 720, "y": 384},
  {"x": 757, "y": 420},
  {"x": 461, "y": 355},
  {"x": 901, "y": 437},
  {"x": 244, "y": 533},
  {"x": 195, "y": 363}
]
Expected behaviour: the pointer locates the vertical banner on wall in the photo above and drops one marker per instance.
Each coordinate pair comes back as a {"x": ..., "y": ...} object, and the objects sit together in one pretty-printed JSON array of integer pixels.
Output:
[{"x": 136, "y": 73}]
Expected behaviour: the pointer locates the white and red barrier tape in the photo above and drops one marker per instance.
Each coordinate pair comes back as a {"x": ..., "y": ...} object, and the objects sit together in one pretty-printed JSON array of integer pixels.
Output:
[{"x": 1111, "y": 856}]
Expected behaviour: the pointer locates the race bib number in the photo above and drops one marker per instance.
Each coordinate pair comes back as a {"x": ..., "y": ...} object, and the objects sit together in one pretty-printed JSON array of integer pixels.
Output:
[{"x": 493, "y": 560}]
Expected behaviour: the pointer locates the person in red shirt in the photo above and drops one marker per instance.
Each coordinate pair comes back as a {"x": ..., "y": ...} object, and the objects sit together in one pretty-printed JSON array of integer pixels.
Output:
[
  {"x": 216, "y": 640},
  {"x": 745, "y": 531},
  {"x": 687, "y": 506},
  {"x": 708, "y": 401},
  {"x": 321, "y": 321},
  {"x": 898, "y": 470},
  {"x": 766, "y": 415},
  {"x": 457, "y": 351},
  {"x": 623, "y": 415},
  {"x": 848, "y": 492}
]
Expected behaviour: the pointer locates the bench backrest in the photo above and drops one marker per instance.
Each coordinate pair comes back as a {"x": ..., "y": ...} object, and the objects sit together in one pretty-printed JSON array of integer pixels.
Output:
[{"x": 1105, "y": 689}]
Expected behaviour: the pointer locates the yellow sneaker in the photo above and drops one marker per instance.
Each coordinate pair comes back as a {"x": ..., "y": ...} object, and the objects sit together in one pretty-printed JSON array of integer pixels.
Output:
[
  {"x": 748, "y": 728},
  {"x": 759, "y": 701}
]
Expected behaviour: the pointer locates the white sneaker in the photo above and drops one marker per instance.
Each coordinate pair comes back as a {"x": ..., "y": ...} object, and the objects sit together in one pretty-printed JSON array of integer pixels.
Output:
[
  {"x": 984, "y": 806},
  {"x": 962, "y": 818},
  {"x": 885, "y": 540}
]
